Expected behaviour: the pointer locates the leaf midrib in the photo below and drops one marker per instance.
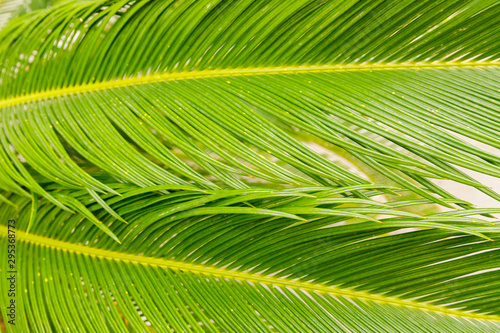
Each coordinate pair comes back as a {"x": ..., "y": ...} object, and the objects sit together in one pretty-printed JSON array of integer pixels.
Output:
[
  {"x": 256, "y": 278},
  {"x": 187, "y": 75}
]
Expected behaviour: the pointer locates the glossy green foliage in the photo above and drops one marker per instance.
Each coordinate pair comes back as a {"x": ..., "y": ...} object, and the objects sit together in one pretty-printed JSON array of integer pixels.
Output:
[
  {"x": 158, "y": 158},
  {"x": 250, "y": 260}
]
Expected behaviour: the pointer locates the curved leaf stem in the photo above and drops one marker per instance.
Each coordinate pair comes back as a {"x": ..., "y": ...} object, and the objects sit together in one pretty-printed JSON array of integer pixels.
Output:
[
  {"x": 255, "y": 278},
  {"x": 189, "y": 75}
]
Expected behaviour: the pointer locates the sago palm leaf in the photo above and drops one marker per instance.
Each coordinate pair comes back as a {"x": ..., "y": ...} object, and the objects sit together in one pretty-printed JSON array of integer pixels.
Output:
[
  {"x": 158, "y": 159},
  {"x": 249, "y": 260}
]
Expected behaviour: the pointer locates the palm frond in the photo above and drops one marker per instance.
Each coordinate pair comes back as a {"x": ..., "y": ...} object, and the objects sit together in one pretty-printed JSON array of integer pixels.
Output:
[
  {"x": 208, "y": 269},
  {"x": 157, "y": 157},
  {"x": 121, "y": 84}
]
